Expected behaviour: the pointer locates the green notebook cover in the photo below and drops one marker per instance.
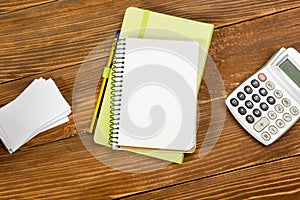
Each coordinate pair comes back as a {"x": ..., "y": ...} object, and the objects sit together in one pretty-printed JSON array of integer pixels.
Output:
[{"x": 147, "y": 24}]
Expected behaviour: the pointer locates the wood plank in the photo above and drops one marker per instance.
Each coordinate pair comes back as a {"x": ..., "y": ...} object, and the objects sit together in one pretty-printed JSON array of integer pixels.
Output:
[
  {"x": 233, "y": 65},
  {"x": 224, "y": 45},
  {"x": 224, "y": 13},
  {"x": 61, "y": 34},
  {"x": 274, "y": 180},
  {"x": 239, "y": 51},
  {"x": 65, "y": 168},
  {"x": 61, "y": 168},
  {"x": 15, "y": 5}
]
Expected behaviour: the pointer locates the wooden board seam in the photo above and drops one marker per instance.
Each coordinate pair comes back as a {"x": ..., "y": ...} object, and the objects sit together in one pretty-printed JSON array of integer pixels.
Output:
[
  {"x": 258, "y": 17},
  {"x": 210, "y": 176},
  {"x": 17, "y": 10}
]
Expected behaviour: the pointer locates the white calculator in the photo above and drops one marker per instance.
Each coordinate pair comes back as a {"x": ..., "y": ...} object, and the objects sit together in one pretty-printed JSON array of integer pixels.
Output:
[{"x": 267, "y": 104}]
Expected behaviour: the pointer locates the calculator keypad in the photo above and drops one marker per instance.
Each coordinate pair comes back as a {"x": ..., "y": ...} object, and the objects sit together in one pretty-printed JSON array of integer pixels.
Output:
[
  {"x": 242, "y": 110},
  {"x": 241, "y": 96},
  {"x": 278, "y": 94},
  {"x": 256, "y": 112},
  {"x": 250, "y": 119},
  {"x": 294, "y": 110},
  {"x": 262, "y": 77},
  {"x": 273, "y": 130},
  {"x": 248, "y": 89},
  {"x": 264, "y": 107},
  {"x": 234, "y": 102},
  {"x": 266, "y": 136},
  {"x": 279, "y": 108},
  {"x": 261, "y": 124},
  {"x": 255, "y": 98},
  {"x": 287, "y": 117},
  {"x": 286, "y": 102},
  {"x": 263, "y": 92},
  {"x": 249, "y": 104},
  {"x": 255, "y": 83},
  {"x": 270, "y": 85},
  {"x": 271, "y": 100},
  {"x": 280, "y": 123},
  {"x": 272, "y": 114}
]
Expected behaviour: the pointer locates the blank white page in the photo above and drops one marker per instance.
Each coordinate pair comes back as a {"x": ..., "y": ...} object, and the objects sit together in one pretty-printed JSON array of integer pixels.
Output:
[{"x": 159, "y": 94}]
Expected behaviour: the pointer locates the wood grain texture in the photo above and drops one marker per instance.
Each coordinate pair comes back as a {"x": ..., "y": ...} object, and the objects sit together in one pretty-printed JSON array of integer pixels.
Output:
[
  {"x": 15, "y": 5},
  {"x": 240, "y": 50},
  {"x": 274, "y": 180},
  {"x": 62, "y": 33},
  {"x": 64, "y": 169},
  {"x": 55, "y": 165},
  {"x": 231, "y": 57}
]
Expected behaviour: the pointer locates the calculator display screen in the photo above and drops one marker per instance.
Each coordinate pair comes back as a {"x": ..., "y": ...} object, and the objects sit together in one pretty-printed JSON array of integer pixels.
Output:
[{"x": 291, "y": 71}]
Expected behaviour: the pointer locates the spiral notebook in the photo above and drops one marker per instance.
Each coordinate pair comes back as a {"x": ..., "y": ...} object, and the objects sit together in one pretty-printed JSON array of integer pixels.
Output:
[
  {"x": 154, "y": 95},
  {"x": 139, "y": 23}
]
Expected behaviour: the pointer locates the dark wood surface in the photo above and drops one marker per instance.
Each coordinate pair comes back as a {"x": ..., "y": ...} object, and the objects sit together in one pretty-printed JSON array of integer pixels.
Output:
[{"x": 52, "y": 38}]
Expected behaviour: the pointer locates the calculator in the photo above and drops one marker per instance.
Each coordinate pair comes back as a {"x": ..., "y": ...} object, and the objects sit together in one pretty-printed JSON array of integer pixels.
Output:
[{"x": 267, "y": 104}]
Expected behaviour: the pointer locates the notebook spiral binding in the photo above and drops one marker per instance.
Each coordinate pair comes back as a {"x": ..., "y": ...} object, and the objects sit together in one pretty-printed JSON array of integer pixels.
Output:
[{"x": 116, "y": 90}]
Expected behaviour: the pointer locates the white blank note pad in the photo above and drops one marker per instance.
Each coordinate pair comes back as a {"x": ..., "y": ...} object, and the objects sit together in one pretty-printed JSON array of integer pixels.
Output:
[
  {"x": 38, "y": 108},
  {"x": 157, "y": 103}
]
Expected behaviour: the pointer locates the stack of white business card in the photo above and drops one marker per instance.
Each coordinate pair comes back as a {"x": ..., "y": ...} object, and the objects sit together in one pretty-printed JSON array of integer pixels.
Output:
[{"x": 38, "y": 108}]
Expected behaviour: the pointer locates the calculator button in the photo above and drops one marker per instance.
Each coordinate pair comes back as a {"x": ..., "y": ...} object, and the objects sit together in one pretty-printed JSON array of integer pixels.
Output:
[
  {"x": 272, "y": 115},
  {"x": 256, "y": 112},
  {"x": 279, "y": 108},
  {"x": 261, "y": 124},
  {"x": 278, "y": 94},
  {"x": 241, "y": 96},
  {"x": 248, "y": 89},
  {"x": 255, "y": 83},
  {"x": 264, "y": 106},
  {"x": 262, "y": 77},
  {"x": 234, "y": 102},
  {"x": 249, "y": 104},
  {"x": 287, "y": 117},
  {"x": 249, "y": 119},
  {"x": 273, "y": 130},
  {"x": 266, "y": 136},
  {"x": 286, "y": 102},
  {"x": 271, "y": 100},
  {"x": 270, "y": 85},
  {"x": 294, "y": 110},
  {"x": 255, "y": 98},
  {"x": 280, "y": 123},
  {"x": 263, "y": 91},
  {"x": 242, "y": 110}
]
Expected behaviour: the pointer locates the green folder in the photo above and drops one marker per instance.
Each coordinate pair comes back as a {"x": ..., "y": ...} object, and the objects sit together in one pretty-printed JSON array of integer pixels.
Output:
[{"x": 147, "y": 24}]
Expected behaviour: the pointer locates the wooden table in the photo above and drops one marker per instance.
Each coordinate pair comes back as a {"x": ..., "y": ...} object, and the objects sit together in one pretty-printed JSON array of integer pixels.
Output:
[{"x": 51, "y": 38}]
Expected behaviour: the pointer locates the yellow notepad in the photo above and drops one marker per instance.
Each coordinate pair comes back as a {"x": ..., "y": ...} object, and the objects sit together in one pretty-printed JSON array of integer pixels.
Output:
[{"x": 147, "y": 24}]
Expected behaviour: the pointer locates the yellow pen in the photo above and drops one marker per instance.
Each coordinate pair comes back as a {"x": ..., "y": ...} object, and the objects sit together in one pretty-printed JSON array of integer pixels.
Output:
[{"x": 104, "y": 83}]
